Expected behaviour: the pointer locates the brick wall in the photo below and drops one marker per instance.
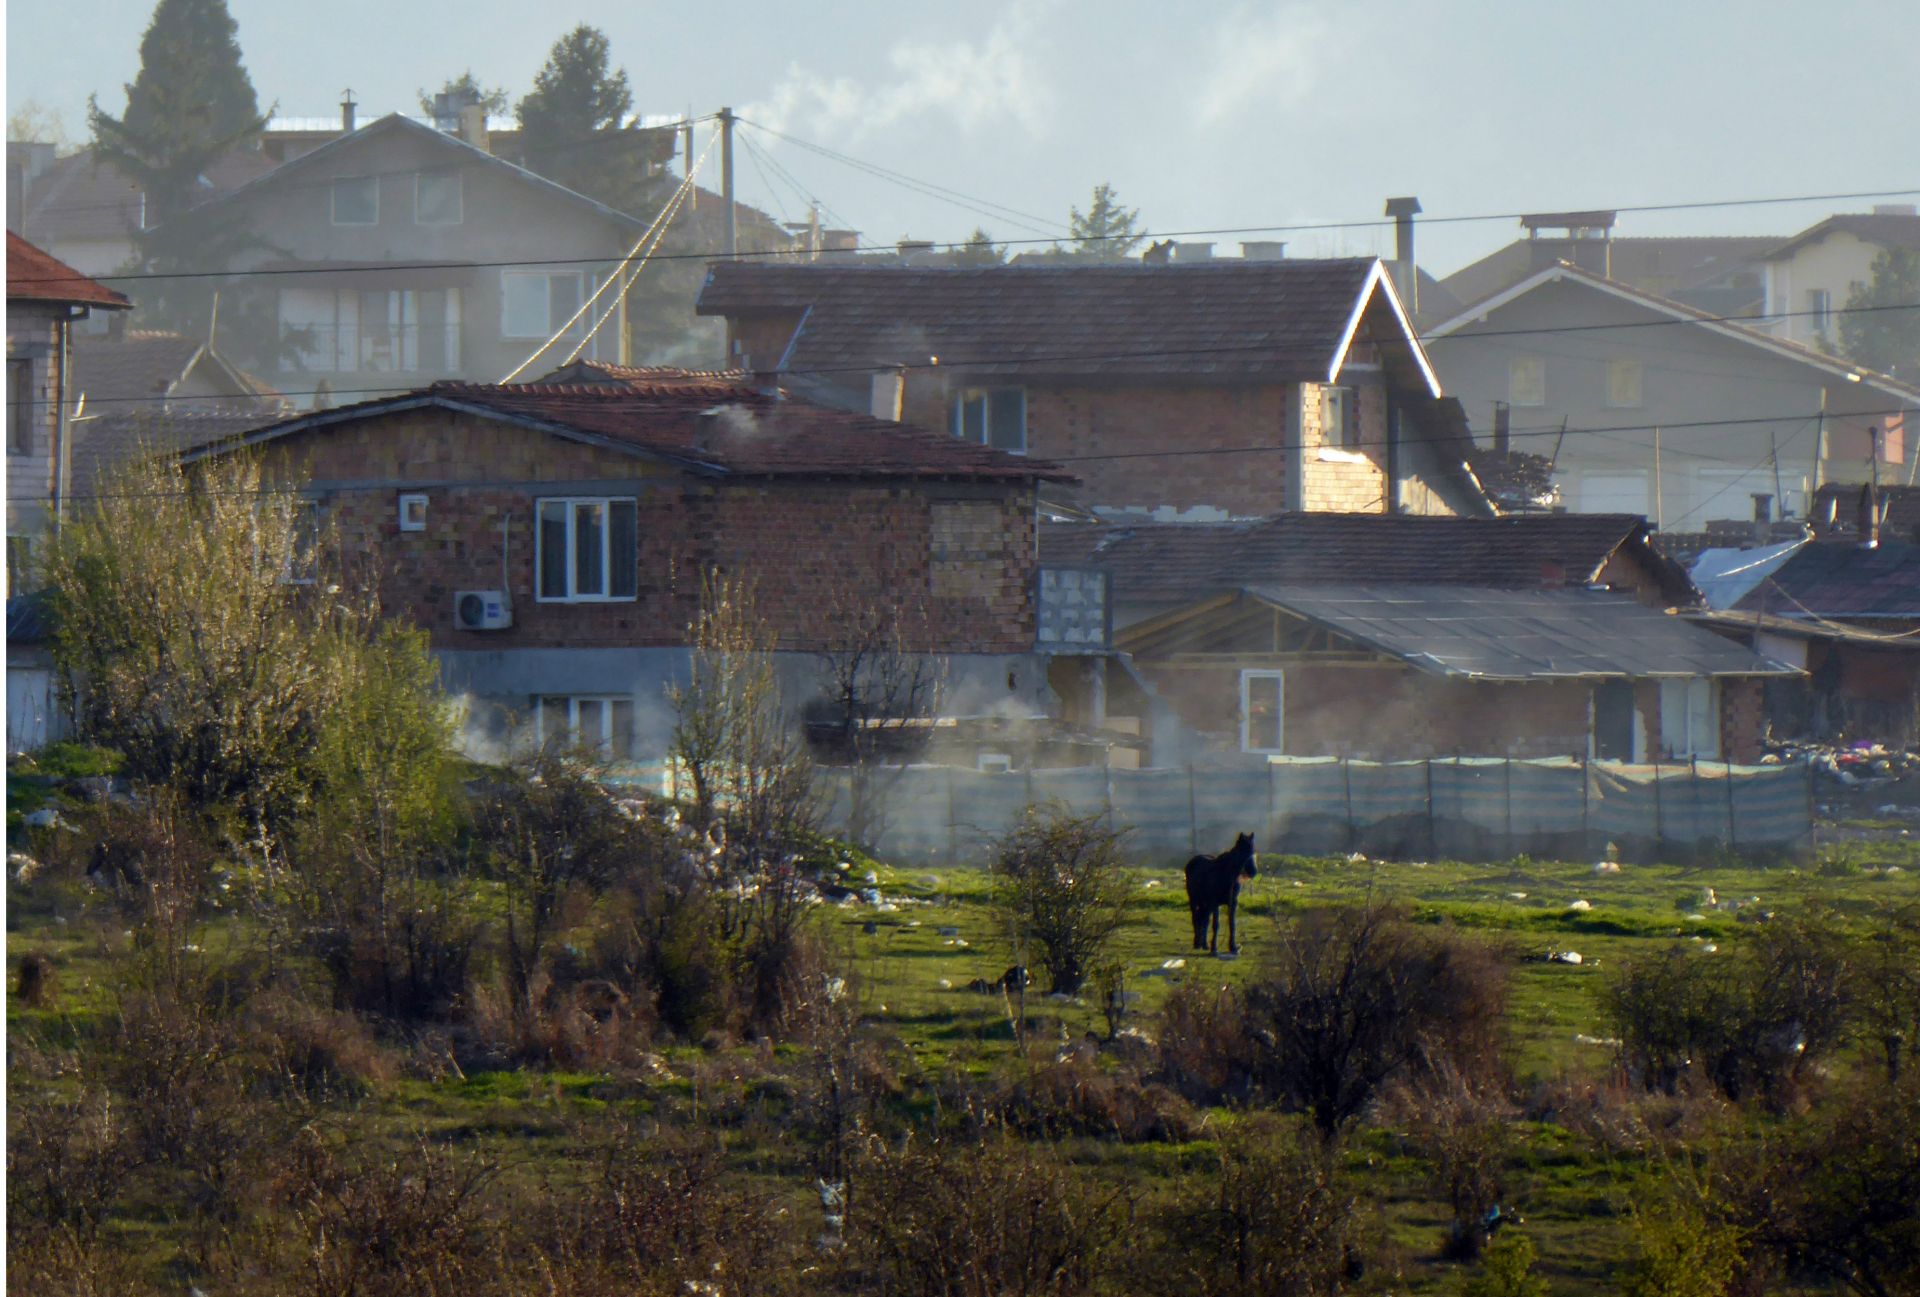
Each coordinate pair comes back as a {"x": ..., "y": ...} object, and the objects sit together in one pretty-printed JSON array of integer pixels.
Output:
[
  {"x": 33, "y": 333},
  {"x": 1743, "y": 718},
  {"x": 807, "y": 545},
  {"x": 1340, "y": 480}
]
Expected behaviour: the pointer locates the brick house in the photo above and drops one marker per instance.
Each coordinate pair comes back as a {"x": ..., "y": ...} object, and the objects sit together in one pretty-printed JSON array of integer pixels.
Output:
[
  {"x": 1402, "y": 637},
  {"x": 1199, "y": 391},
  {"x": 552, "y": 537},
  {"x": 45, "y": 296}
]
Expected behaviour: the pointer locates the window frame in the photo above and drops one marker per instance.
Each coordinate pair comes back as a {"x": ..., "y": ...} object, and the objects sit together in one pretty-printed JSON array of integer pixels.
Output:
[
  {"x": 1639, "y": 373},
  {"x": 547, "y": 277},
  {"x": 573, "y": 504},
  {"x": 333, "y": 199},
  {"x": 459, "y": 196},
  {"x": 1345, "y": 398},
  {"x": 1514, "y": 363},
  {"x": 1279, "y": 677},
  {"x": 408, "y": 502},
  {"x": 570, "y": 726},
  {"x": 20, "y": 438},
  {"x": 1820, "y": 310},
  {"x": 956, "y": 415}
]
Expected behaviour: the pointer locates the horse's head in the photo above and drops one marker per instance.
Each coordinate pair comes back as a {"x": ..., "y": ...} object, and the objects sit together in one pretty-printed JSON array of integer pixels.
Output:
[{"x": 1243, "y": 853}]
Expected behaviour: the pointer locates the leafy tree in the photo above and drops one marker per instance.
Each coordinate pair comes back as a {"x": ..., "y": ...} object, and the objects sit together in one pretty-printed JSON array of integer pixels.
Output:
[
  {"x": 33, "y": 123},
  {"x": 980, "y": 250},
  {"x": 190, "y": 103},
  {"x": 1880, "y": 326},
  {"x": 1107, "y": 231},
  {"x": 574, "y": 126},
  {"x": 466, "y": 89}
]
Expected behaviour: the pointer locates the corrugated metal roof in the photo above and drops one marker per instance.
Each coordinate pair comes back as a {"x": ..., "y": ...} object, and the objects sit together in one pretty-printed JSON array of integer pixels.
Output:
[{"x": 1488, "y": 634}]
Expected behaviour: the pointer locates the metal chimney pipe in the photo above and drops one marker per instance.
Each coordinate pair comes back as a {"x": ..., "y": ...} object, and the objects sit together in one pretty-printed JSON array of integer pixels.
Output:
[{"x": 346, "y": 112}]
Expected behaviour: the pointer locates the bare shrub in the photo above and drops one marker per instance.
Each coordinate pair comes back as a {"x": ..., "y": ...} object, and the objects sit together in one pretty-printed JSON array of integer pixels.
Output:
[
  {"x": 1461, "y": 1127},
  {"x": 1206, "y": 1049},
  {"x": 68, "y": 1163},
  {"x": 1000, "y": 1218},
  {"x": 1354, "y": 998},
  {"x": 1886, "y": 986},
  {"x": 1279, "y": 1219},
  {"x": 1060, "y": 1098},
  {"x": 321, "y": 1054},
  {"x": 1062, "y": 889},
  {"x": 376, "y": 1224}
]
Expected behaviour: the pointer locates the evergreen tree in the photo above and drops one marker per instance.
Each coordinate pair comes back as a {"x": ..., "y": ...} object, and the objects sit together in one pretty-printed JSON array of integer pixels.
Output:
[
  {"x": 190, "y": 103},
  {"x": 979, "y": 250},
  {"x": 1880, "y": 325},
  {"x": 574, "y": 125},
  {"x": 1107, "y": 231}
]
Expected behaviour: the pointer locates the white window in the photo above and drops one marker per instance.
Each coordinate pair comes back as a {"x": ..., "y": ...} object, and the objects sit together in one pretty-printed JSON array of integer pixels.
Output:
[
  {"x": 535, "y": 303},
  {"x": 602, "y": 723},
  {"x": 587, "y": 550},
  {"x": 1340, "y": 417},
  {"x": 1690, "y": 718},
  {"x": 992, "y": 416},
  {"x": 413, "y": 511},
  {"x": 993, "y": 762},
  {"x": 356, "y": 200},
  {"x": 437, "y": 198},
  {"x": 1623, "y": 384},
  {"x": 1263, "y": 698},
  {"x": 344, "y": 331},
  {"x": 1527, "y": 381}
]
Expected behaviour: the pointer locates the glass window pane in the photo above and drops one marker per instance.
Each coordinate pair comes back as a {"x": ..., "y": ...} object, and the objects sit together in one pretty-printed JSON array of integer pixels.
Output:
[
  {"x": 624, "y": 543},
  {"x": 620, "y": 734},
  {"x": 590, "y": 726},
  {"x": 589, "y": 538},
  {"x": 549, "y": 717},
  {"x": 553, "y": 549},
  {"x": 1007, "y": 419},
  {"x": 973, "y": 416}
]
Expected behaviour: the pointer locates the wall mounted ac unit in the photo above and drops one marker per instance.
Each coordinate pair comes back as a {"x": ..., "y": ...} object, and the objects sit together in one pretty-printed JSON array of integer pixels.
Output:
[{"x": 482, "y": 610}]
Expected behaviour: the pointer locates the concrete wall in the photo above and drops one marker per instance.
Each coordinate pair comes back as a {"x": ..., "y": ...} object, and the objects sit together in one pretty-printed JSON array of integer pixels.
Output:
[
  {"x": 1837, "y": 263},
  {"x": 1724, "y": 408},
  {"x": 503, "y": 218},
  {"x": 33, "y": 334}
]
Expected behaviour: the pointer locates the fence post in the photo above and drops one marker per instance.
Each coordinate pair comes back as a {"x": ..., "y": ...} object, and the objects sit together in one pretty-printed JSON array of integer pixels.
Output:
[
  {"x": 1433, "y": 834},
  {"x": 1586, "y": 798},
  {"x": 1193, "y": 815},
  {"x": 953, "y": 826},
  {"x": 1510, "y": 850},
  {"x": 1353, "y": 830},
  {"x": 1659, "y": 829},
  {"x": 1733, "y": 816},
  {"x": 1108, "y": 772}
]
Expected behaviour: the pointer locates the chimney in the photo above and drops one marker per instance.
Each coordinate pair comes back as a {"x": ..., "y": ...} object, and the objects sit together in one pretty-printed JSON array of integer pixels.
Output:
[
  {"x": 1263, "y": 250},
  {"x": 910, "y": 248},
  {"x": 1762, "y": 517},
  {"x": 473, "y": 127},
  {"x": 1869, "y": 518},
  {"x": 1193, "y": 252},
  {"x": 346, "y": 112},
  {"x": 889, "y": 391},
  {"x": 1406, "y": 280},
  {"x": 1502, "y": 427}
]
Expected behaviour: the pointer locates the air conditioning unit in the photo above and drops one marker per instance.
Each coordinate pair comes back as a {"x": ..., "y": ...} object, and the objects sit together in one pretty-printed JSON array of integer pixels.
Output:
[{"x": 482, "y": 610}]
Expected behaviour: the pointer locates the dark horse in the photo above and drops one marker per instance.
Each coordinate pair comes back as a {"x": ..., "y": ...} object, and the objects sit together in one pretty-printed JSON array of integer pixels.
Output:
[{"x": 1214, "y": 881}]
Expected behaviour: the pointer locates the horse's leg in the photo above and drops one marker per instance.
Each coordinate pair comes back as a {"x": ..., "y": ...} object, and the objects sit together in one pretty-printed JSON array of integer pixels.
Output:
[
  {"x": 1233, "y": 936},
  {"x": 1213, "y": 934}
]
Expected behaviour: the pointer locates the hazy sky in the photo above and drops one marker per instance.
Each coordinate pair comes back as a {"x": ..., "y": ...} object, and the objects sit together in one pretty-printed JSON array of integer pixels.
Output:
[{"x": 1201, "y": 115}]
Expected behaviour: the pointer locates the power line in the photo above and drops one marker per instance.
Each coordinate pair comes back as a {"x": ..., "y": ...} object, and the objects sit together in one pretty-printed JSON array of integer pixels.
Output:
[{"x": 398, "y": 266}]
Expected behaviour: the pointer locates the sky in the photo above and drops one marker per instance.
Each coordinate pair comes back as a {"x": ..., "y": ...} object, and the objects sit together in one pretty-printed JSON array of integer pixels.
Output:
[{"x": 1203, "y": 116}]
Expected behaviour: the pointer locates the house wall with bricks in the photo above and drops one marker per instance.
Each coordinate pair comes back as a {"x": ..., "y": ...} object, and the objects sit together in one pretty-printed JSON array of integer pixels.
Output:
[
  {"x": 33, "y": 342},
  {"x": 959, "y": 554}
]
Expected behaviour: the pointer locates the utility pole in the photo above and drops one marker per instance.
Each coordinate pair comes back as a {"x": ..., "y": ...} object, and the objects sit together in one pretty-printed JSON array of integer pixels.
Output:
[
  {"x": 1659, "y": 493},
  {"x": 1819, "y": 446},
  {"x": 686, "y": 159},
  {"x": 726, "y": 179}
]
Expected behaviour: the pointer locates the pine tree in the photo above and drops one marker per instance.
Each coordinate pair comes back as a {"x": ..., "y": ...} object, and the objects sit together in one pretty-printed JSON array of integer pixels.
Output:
[
  {"x": 1107, "y": 231},
  {"x": 979, "y": 250},
  {"x": 574, "y": 125},
  {"x": 190, "y": 103},
  {"x": 1879, "y": 326},
  {"x": 466, "y": 89}
]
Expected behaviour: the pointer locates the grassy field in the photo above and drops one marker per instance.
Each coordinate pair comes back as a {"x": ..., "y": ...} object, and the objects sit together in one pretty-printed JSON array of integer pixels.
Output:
[{"x": 915, "y": 953}]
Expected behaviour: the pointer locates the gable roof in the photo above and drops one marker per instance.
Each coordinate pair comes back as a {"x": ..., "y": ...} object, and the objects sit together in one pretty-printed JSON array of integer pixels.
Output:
[
  {"x": 1562, "y": 272},
  {"x": 1888, "y": 229},
  {"x": 1653, "y": 264},
  {"x": 84, "y": 198},
  {"x": 715, "y": 428},
  {"x": 1487, "y": 634},
  {"x": 1844, "y": 580},
  {"x": 1899, "y": 511},
  {"x": 1287, "y": 321},
  {"x": 104, "y": 442},
  {"x": 36, "y": 276},
  {"x": 1155, "y": 562},
  {"x": 395, "y": 124},
  {"x": 146, "y": 365}
]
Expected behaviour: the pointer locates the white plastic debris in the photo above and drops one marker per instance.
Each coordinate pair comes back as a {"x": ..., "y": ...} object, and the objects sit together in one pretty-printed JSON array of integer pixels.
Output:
[
  {"x": 1151, "y": 883},
  {"x": 873, "y": 878},
  {"x": 1606, "y": 867},
  {"x": 944, "y": 984},
  {"x": 1696, "y": 918},
  {"x": 1579, "y": 907},
  {"x": 44, "y": 818},
  {"x": 1581, "y": 1038},
  {"x": 1565, "y": 957},
  {"x": 1172, "y": 964},
  {"x": 1516, "y": 896}
]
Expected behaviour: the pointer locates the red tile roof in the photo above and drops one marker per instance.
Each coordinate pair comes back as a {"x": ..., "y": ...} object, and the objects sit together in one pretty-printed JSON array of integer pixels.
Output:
[
  {"x": 35, "y": 276},
  {"x": 1844, "y": 580},
  {"x": 710, "y": 425},
  {"x": 1155, "y": 562},
  {"x": 1278, "y": 320}
]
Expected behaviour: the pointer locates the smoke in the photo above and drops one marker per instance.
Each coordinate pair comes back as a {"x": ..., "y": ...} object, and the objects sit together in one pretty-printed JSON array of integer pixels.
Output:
[{"x": 988, "y": 84}]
